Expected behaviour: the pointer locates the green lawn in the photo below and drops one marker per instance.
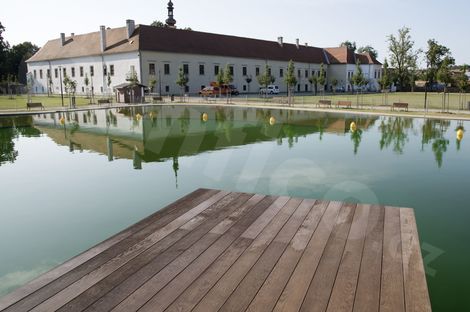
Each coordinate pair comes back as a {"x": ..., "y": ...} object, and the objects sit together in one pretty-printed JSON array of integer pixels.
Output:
[
  {"x": 415, "y": 100},
  {"x": 19, "y": 102}
]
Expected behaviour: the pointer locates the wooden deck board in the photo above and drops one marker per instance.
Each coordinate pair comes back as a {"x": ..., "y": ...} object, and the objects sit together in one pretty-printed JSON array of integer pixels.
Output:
[{"x": 220, "y": 251}]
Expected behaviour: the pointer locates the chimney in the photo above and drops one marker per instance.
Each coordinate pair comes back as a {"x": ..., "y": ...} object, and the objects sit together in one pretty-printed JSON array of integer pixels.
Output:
[
  {"x": 306, "y": 44},
  {"x": 297, "y": 43},
  {"x": 280, "y": 40},
  {"x": 72, "y": 35},
  {"x": 103, "y": 38},
  {"x": 62, "y": 38},
  {"x": 130, "y": 28}
]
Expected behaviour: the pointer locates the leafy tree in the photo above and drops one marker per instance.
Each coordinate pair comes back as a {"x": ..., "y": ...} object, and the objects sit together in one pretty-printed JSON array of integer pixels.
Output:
[
  {"x": 109, "y": 81},
  {"x": 461, "y": 79},
  {"x": 385, "y": 81},
  {"x": 369, "y": 49},
  {"x": 402, "y": 55},
  {"x": 228, "y": 78},
  {"x": 435, "y": 56},
  {"x": 182, "y": 80},
  {"x": 351, "y": 45},
  {"x": 290, "y": 80},
  {"x": 17, "y": 57},
  {"x": 358, "y": 79},
  {"x": 220, "y": 80},
  {"x": 152, "y": 82},
  {"x": 322, "y": 78},
  {"x": 444, "y": 75},
  {"x": 334, "y": 84},
  {"x": 86, "y": 81},
  {"x": 4, "y": 46},
  {"x": 157, "y": 23},
  {"x": 314, "y": 82},
  {"x": 265, "y": 79}
]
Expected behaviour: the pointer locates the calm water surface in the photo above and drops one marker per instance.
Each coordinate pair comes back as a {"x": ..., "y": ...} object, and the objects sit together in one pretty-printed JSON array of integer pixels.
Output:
[{"x": 66, "y": 186}]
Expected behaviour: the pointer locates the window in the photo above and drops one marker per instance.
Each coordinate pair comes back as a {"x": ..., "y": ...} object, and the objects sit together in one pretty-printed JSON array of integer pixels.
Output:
[
  {"x": 299, "y": 74},
  {"x": 166, "y": 69},
  {"x": 269, "y": 71},
  {"x": 244, "y": 87},
  {"x": 216, "y": 70},
  {"x": 81, "y": 71},
  {"x": 375, "y": 75},
  {"x": 73, "y": 71},
  {"x": 152, "y": 69},
  {"x": 34, "y": 74},
  {"x": 257, "y": 71},
  {"x": 65, "y": 72},
  {"x": 40, "y": 73},
  {"x": 298, "y": 88},
  {"x": 83, "y": 89},
  {"x": 101, "y": 89},
  {"x": 167, "y": 89},
  {"x": 281, "y": 72},
  {"x": 105, "y": 70},
  {"x": 111, "y": 70},
  {"x": 231, "y": 70},
  {"x": 56, "y": 72},
  {"x": 186, "y": 69},
  {"x": 306, "y": 73},
  {"x": 186, "y": 89},
  {"x": 48, "y": 73},
  {"x": 313, "y": 73},
  {"x": 244, "y": 71},
  {"x": 92, "y": 71},
  {"x": 306, "y": 88}
]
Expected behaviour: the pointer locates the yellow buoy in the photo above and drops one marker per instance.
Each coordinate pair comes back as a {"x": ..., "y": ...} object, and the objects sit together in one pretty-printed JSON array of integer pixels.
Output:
[
  {"x": 205, "y": 117},
  {"x": 353, "y": 126},
  {"x": 460, "y": 134},
  {"x": 151, "y": 114},
  {"x": 272, "y": 121},
  {"x": 138, "y": 116},
  {"x": 62, "y": 120}
]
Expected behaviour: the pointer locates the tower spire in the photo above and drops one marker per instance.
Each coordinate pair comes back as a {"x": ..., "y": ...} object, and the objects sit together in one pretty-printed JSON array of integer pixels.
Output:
[{"x": 170, "y": 22}]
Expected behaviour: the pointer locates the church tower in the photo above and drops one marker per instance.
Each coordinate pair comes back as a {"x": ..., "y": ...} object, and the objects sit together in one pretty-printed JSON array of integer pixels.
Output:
[{"x": 170, "y": 22}]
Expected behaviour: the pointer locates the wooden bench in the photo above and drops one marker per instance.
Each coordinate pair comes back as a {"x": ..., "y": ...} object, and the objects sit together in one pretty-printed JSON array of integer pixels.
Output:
[
  {"x": 34, "y": 105},
  {"x": 347, "y": 104},
  {"x": 324, "y": 102},
  {"x": 400, "y": 105},
  {"x": 103, "y": 101}
]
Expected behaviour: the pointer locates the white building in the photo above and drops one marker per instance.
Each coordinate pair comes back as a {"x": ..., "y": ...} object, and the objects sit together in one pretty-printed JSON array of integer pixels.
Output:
[{"x": 107, "y": 58}]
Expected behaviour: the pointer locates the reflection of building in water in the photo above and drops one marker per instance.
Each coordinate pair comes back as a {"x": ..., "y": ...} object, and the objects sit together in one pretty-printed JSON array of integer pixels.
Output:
[{"x": 150, "y": 134}]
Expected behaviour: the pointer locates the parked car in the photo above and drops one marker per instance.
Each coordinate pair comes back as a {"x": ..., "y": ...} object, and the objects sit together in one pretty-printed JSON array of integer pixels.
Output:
[
  {"x": 271, "y": 89},
  {"x": 209, "y": 91},
  {"x": 225, "y": 89},
  {"x": 233, "y": 90}
]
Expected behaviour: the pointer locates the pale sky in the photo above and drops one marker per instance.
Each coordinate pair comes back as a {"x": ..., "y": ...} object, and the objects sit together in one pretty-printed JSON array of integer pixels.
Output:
[{"x": 320, "y": 23}]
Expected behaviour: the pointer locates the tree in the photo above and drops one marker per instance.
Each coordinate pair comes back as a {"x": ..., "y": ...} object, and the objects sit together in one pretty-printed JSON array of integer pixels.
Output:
[
  {"x": 358, "y": 79},
  {"x": 86, "y": 81},
  {"x": 444, "y": 75},
  {"x": 369, "y": 49},
  {"x": 220, "y": 80},
  {"x": 17, "y": 57},
  {"x": 334, "y": 84},
  {"x": 322, "y": 78},
  {"x": 182, "y": 81},
  {"x": 109, "y": 81},
  {"x": 152, "y": 82},
  {"x": 314, "y": 82},
  {"x": 402, "y": 56},
  {"x": 228, "y": 78},
  {"x": 4, "y": 46},
  {"x": 265, "y": 79},
  {"x": 157, "y": 23},
  {"x": 290, "y": 80},
  {"x": 461, "y": 80},
  {"x": 385, "y": 81},
  {"x": 351, "y": 45}
]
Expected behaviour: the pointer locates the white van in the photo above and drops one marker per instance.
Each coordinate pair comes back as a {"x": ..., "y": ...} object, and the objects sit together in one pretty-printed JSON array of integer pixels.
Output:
[{"x": 271, "y": 89}]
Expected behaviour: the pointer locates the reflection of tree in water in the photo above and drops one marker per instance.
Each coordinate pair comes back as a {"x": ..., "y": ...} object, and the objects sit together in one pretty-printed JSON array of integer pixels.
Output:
[
  {"x": 184, "y": 120},
  {"x": 224, "y": 122},
  {"x": 11, "y": 129},
  {"x": 394, "y": 132},
  {"x": 356, "y": 137},
  {"x": 433, "y": 133}
]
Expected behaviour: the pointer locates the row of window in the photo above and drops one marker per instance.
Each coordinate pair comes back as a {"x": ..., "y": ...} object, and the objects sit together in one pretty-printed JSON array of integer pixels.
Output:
[
  {"x": 72, "y": 72},
  {"x": 202, "y": 70}
]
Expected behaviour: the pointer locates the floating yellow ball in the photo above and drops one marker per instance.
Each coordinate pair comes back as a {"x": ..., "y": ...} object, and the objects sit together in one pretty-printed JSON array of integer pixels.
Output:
[
  {"x": 460, "y": 134},
  {"x": 151, "y": 114},
  {"x": 272, "y": 121},
  {"x": 205, "y": 117},
  {"x": 353, "y": 126},
  {"x": 62, "y": 121},
  {"x": 138, "y": 116}
]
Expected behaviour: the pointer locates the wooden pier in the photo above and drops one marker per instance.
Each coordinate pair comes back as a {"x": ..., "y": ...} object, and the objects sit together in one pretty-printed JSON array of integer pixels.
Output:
[{"x": 222, "y": 251}]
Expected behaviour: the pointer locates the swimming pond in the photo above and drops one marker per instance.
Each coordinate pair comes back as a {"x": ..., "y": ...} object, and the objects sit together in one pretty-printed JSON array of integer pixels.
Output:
[{"x": 70, "y": 181}]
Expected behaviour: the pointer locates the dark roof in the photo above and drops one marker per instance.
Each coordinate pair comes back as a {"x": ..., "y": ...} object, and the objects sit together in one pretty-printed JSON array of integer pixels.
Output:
[
  {"x": 88, "y": 45},
  {"x": 367, "y": 58},
  {"x": 194, "y": 42}
]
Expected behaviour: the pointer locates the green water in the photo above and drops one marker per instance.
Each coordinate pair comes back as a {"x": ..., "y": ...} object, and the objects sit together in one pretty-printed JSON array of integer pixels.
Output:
[{"x": 65, "y": 188}]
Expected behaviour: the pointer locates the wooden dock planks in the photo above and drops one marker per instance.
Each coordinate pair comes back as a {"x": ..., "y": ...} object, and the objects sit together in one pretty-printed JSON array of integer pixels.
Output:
[{"x": 221, "y": 251}]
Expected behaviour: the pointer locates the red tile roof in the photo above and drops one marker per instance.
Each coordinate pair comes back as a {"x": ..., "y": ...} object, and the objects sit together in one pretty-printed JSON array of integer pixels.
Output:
[{"x": 343, "y": 55}]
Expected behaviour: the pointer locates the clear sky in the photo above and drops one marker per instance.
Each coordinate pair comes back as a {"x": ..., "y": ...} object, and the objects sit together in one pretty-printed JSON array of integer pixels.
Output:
[{"x": 323, "y": 23}]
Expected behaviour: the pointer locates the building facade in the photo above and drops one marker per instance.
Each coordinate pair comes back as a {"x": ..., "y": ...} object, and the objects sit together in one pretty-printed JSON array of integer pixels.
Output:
[{"x": 101, "y": 60}]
